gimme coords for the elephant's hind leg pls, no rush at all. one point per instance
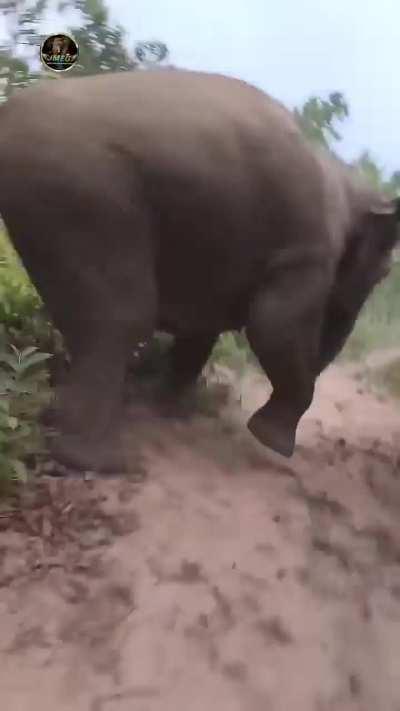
(84, 239)
(284, 333)
(100, 335)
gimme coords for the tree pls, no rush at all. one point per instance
(23, 20)
(318, 116)
(394, 183)
(367, 166)
(317, 120)
(102, 46)
(374, 174)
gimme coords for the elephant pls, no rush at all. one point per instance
(189, 203)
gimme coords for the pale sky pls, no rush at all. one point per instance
(291, 49)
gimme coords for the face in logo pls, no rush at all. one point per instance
(59, 52)
(59, 44)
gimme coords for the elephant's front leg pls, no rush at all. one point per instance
(284, 332)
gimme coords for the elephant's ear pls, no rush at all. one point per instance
(385, 223)
(387, 207)
(397, 203)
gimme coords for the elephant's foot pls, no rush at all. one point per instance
(273, 433)
(103, 456)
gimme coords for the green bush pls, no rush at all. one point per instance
(378, 325)
(232, 350)
(21, 310)
(25, 333)
(24, 392)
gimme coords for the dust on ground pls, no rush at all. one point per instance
(228, 579)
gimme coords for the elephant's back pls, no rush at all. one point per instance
(212, 156)
(176, 128)
(138, 108)
(139, 92)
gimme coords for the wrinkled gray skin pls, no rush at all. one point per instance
(188, 203)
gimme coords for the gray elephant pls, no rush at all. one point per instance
(189, 203)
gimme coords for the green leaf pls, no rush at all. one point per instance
(28, 351)
(16, 388)
(34, 359)
(6, 383)
(13, 423)
(10, 360)
(20, 470)
(4, 405)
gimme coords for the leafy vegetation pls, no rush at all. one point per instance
(22, 315)
(318, 118)
(102, 45)
(24, 334)
(378, 325)
(23, 392)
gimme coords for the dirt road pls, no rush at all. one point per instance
(229, 579)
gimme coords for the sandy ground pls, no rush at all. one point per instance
(228, 579)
